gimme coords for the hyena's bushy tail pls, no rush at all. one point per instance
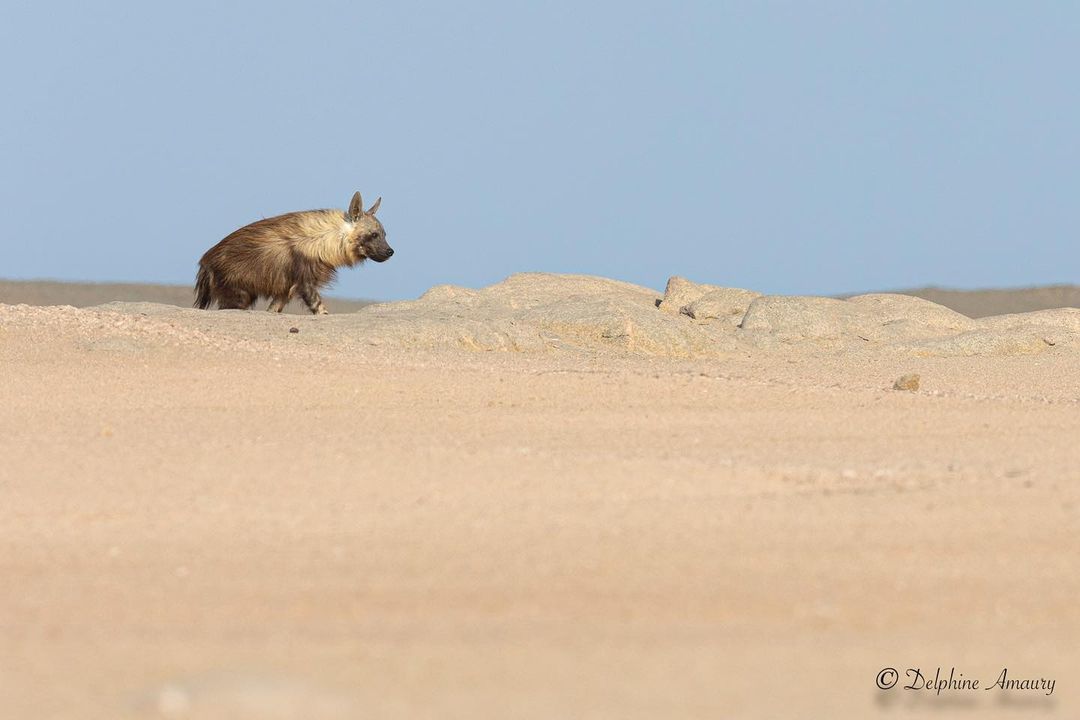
(203, 282)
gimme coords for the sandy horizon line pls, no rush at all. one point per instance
(973, 302)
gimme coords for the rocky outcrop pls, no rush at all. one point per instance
(545, 313)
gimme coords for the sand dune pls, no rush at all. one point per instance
(558, 496)
(982, 303)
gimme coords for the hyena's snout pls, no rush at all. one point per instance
(381, 253)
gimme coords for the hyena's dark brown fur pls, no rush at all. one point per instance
(289, 255)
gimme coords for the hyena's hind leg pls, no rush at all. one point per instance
(234, 299)
(313, 300)
(280, 301)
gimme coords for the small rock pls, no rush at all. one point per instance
(909, 382)
(679, 293)
(721, 303)
(294, 330)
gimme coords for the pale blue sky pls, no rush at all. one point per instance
(786, 147)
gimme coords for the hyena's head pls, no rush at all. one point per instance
(368, 238)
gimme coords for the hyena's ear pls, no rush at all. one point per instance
(374, 207)
(356, 207)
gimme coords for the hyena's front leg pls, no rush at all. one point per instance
(314, 302)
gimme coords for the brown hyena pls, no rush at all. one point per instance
(289, 255)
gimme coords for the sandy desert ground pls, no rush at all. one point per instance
(550, 498)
